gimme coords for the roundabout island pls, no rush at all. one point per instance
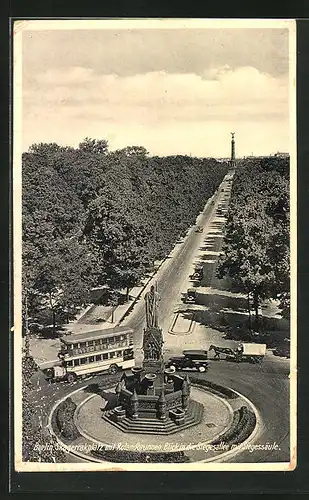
(152, 414)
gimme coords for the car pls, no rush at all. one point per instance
(282, 351)
(35, 327)
(190, 296)
(193, 360)
(196, 276)
(198, 273)
(198, 229)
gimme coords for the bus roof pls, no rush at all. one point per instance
(74, 338)
(194, 352)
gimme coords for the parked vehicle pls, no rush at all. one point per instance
(254, 353)
(190, 296)
(250, 352)
(198, 273)
(191, 359)
(283, 350)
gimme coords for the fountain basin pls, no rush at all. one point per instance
(177, 415)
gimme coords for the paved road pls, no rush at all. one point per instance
(172, 278)
(266, 385)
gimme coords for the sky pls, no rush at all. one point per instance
(173, 91)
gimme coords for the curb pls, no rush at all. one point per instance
(88, 308)
(250, 438)
(238, 449)
(65, 447)
(182, 334)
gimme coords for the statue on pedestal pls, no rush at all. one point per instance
(153, 338)
(152, 299)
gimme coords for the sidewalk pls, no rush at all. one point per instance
(95, 317)
(98, 317)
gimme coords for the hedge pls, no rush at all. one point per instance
(243, 424)
(219, 389)
(123, 456)
(65, 419)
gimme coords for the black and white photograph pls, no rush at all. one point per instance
(154, 211)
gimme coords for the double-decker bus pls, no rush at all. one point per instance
(83, 354)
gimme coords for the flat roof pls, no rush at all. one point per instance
(194, 351)
(74, 338)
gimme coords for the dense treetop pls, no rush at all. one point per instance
(256, 245)
(94, 217)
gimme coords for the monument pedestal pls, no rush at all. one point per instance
(154, 399)
(153, 360)
(153, 366)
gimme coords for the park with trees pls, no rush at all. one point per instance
(94, 217)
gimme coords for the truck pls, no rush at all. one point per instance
(254, 353)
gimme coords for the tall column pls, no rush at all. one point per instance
(232, 161)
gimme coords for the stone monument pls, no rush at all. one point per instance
(152, 399)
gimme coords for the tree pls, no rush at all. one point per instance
(285, 304)
(245, 257)
(122, 211)
(63, 279)
(118, 240)
(35, 437)
(256, 244)
(133, 151)
(96, 146)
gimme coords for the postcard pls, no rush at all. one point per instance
(154, 242)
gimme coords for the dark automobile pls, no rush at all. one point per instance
(194, 360)
(198, 273)
(190, 296)
(282, 351)
(35, 327)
